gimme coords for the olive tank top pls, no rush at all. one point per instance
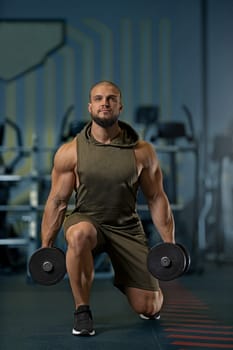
(108, 177)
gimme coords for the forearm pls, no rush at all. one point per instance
(52, 220)
(162, 218)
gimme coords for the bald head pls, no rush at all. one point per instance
(104, 82)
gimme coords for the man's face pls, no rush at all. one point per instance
(105, 105)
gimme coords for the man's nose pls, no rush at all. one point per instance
(105, 101)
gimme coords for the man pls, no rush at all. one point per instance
(105, 164)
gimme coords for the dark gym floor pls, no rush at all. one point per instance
(197, 314)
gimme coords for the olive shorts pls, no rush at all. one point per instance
(127, 248)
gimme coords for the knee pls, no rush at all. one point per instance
(145, 307)
(148, 303)
(81, 236)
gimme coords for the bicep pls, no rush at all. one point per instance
(62, 184)
(151, 183)
(63, 178)
(158, 204)
(151, 177)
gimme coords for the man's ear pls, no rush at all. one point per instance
(89, 107)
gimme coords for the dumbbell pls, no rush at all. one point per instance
(168, 261)
(165, 261)
(47, 266)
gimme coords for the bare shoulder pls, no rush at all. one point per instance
(145, 154)
(66, 156)
(144, 147)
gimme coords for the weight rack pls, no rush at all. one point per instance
(33, 208)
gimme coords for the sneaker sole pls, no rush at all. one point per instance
(143, 317)
(83, 332)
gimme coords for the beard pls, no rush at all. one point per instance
(104, 122)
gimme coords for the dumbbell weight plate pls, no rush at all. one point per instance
(47, 266)
(187, 255)
(166, 261)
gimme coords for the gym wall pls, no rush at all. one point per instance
(165, 53)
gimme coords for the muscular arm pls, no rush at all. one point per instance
(63, 181)
(151, 182)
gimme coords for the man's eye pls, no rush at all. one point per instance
(113, 98)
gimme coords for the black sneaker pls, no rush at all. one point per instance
(83, 322)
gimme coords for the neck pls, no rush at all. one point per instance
(105, 135)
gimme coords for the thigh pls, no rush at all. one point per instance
(128, 252)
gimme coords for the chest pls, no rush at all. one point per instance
(106, 165)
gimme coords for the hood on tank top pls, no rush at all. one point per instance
(127, 138)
